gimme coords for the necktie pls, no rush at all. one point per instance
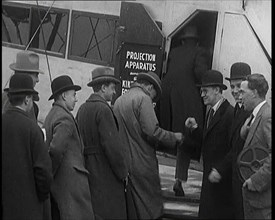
(250, 120)
(210, 116)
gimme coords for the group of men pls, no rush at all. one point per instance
(102, 164)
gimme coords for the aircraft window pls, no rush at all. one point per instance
(20, 23)
(93, 38)
(15, 24)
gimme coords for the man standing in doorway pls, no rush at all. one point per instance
(181, 98)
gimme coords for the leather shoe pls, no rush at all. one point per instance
(177, 188)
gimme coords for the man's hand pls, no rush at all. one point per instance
(248, 183)
(179, 137)
(191, 123)
(214, 176)
(245, 129)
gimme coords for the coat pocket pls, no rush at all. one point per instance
(81, 169)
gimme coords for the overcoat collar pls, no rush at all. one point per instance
(66, 110)
(255, 124)
(144, 90)
(216, 118)
(57, 105)
(15, 109)
(97, 98)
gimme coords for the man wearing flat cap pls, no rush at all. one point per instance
(140, 132)
(216, 196)
(181, 97)
(238, 72)
(26, 164)
(70, 194)
(26, 62)
(105, 156)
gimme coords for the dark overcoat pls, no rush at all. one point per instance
(230, 161)
(104, 157)
(140, 132)
(26, 167)
(70, 187)
(181, 98)
(216, 198)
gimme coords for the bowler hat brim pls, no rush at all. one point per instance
(152, 80)
(103, 79)
(13, 67)
(229, 79)
(63, 89)
(20, 91)
(222, 86)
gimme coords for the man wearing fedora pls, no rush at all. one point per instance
(140, 132)
(26, 62)
(105, 156)
(70, 194)
(26, 164)
(238, 72)
(216, 197)
(181, 98)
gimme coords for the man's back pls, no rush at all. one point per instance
(26, 167)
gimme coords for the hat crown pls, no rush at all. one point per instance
(190, 32)
(239, 70)
(152, 78)
(21, 83)
(102, 72)
(26, 61)
(212, 78)
(61, 82)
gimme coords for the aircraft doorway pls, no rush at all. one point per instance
(206, 23)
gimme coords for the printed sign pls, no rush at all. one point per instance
(138, 58)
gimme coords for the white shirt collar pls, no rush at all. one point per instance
(217, 105)
(257, 109)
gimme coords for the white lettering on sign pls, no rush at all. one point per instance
(141, 56)
(140, 66)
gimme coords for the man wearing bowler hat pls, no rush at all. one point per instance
(238, 72)
(140, 132)
(215, 200)
(26, 62)
(26, 164)
(105, 156)
(181, 98)
(70, 194)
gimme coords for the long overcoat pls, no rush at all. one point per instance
(140, 131)
(105, 157)
(216, 198)
(229, 164)
(181, 98)
(257, 204)
(26, 167)
(70, 186)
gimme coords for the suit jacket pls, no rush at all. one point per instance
(70, 187)
(260, 135)
(216, 198)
